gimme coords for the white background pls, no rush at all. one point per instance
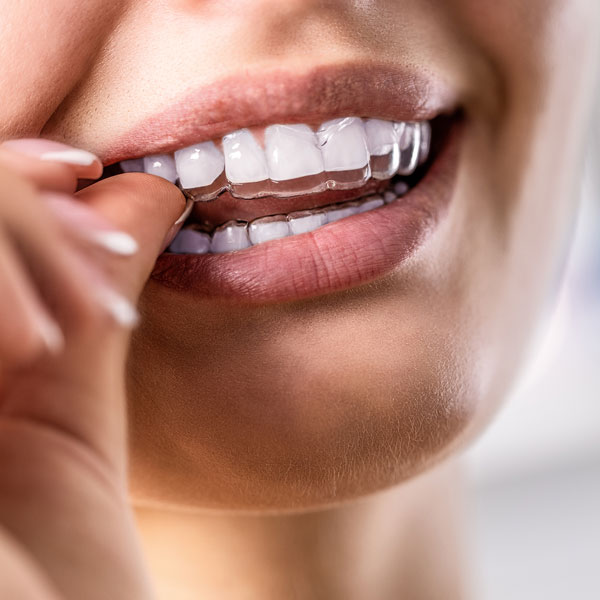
(535, 474)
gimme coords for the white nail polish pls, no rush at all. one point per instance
(118, 307)
(117, 242)
(72, 157)
(51, 334)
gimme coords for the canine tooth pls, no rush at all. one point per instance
(389, 196)
(233, 235)
(425, 141)
(189, 241)
(162, 165)
(345, 210)
(370, 203)
(305, 221)
(343, 144)
(199, 165)
(245, 160)
(409, 156)
(292, 151)
(268, 228)
(401, 188)
(382, 141)
(135, 165)
(381, 136)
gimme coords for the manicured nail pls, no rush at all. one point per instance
(51, 334)
(189, 205)
(88, 165)
(118, 307)
(117, 242)
(73, 157)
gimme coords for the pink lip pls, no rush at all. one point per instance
(258, 98)
(341, 255)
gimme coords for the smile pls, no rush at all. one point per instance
(342, 154)
(293, 209)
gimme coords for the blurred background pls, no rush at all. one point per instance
(535, 474)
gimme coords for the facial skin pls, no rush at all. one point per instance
(304, 404)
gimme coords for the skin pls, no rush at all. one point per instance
(289, 408)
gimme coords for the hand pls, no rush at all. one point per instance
(72, 266)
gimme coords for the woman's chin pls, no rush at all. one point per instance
(324, 436)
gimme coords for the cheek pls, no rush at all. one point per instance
(45, 49)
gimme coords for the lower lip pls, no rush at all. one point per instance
(341, 255)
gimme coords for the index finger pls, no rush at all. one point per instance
(49, 165)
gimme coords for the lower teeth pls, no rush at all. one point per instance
(238, 235)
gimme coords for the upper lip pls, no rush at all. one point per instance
(259, 98)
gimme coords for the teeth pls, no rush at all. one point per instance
(382, 141)
(133, 166)
(370, 203)
(343, 154)
(401, 188)
(199, 165)
(292, 152)
(410, 144)
(389, 196)
(425, 141)
(381, 136)
(238, 235)
(345, 210)
(245, 160)
(231, 236)
(266, 229)
(305, 221)
(162, 165)
(189, 241)
(343, 144)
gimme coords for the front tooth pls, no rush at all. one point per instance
(410, 145)
(292, 151)
(162, 165)
(267, 229)
(425, 141)
(343, 144)
(233, 235)
(199, 165)
(135, 165)
(345, 210)
(305, 221)
(245, 160)
(189, 241)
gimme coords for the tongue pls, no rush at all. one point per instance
(226, 207)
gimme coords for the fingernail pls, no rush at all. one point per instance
(189, 204)
(51, 334)
(48, 150)
(73, 157)
(117, 242)
(118, 307)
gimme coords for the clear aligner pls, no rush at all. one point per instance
(293, 159)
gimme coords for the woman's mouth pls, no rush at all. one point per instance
(294, 210)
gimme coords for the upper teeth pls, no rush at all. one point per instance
(341, 154)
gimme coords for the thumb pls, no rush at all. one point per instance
(148, 208)
(82, 391)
